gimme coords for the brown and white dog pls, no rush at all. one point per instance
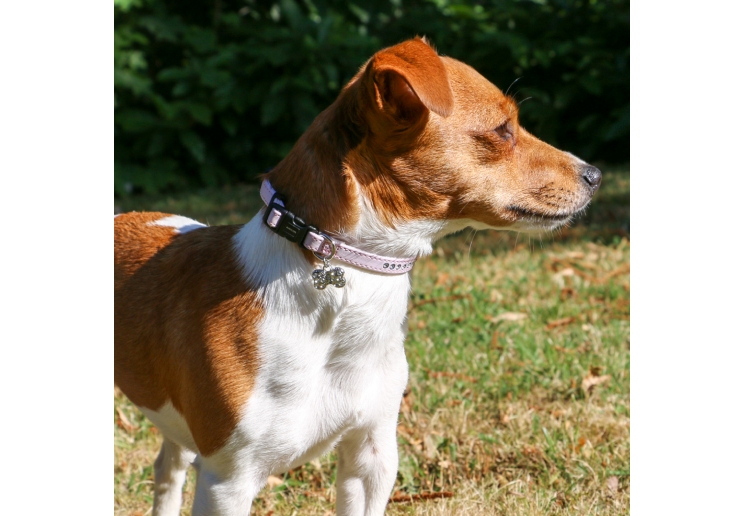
(225, 343)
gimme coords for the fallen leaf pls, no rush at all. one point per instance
(590, 381)
(408, 498)
(442, 279)
(509, 316)
(123, 421)
(560, 276)
(623, 269)
(559, 322)
(447, 374)
(580, 444)
(566, 293)
(406, 404)
(560, 500)
(495, 341)
(531, 451)
(612, 484)
(273, 481)
(430, 449)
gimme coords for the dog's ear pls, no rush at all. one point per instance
(408, 79)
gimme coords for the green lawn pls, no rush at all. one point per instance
(519, 391)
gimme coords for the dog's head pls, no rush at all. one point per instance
(422, 138)
(444, 143)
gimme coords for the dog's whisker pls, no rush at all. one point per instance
(523, 100)
(463, 207)
(472, 237)
(512, 84)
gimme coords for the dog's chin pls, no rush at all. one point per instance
(539, 225)
(529, 225)
(534, 221)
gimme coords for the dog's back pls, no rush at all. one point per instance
(169, 348)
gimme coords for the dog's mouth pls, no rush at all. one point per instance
(533, 215)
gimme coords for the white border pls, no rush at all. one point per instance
(687, 266)
(56, 320)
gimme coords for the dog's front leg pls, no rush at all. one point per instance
(367, 467)
(170, 474)
(224, 488)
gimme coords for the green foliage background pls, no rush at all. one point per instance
(209, 92)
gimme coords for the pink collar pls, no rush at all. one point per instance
(287, 224)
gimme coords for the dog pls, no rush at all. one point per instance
(257, 348)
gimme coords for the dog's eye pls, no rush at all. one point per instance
(506, 131)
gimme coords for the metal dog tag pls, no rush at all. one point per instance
(328, 276)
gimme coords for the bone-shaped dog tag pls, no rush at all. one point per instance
(327, 276)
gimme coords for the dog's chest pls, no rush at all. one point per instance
(339, 367)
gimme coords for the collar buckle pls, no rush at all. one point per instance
(287, 225)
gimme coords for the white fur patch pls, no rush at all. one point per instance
(179, 223)
(172, 424)
(332, 372)
(407, 239)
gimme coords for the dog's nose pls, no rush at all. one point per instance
(592, 176)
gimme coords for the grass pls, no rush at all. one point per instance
(519, 394)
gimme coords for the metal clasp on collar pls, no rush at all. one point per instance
(289, 225)
(294, 229)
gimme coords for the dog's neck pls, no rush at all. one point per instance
(312, 177)
(320, 183)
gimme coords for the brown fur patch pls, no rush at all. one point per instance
(185, 324)
(409, 75)
(312, 176)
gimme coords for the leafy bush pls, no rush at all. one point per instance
(211, 92)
